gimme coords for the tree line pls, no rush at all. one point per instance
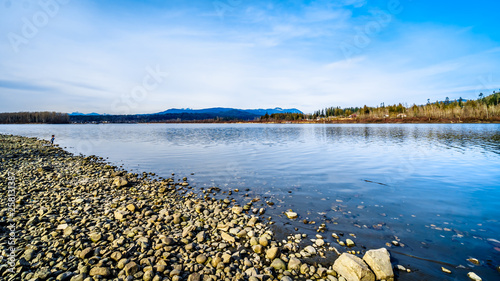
(483, 108)
(34, 117)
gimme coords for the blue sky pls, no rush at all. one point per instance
(122, 57)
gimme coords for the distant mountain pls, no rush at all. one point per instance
(262, 112)
(177, 115)
(216, 110)
(76, 113)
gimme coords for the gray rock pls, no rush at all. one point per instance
(380, 262)
(201, 259)
(278, 264)
(131, 268)
(294, 264)
(102, 271)
(42, 273)
(64, 276)
(95, 236)
(194, 277)
(120, 181)
(86, 253)
(473, 276)
(349, 243)
(353, 268)
(78, 277)
(272, 253)
(29, 254)
(310, 249)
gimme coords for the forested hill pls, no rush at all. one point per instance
(172, 115)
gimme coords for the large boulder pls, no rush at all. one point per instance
(353, 268)
(380, 262)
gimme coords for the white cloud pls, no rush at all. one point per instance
(260, 56)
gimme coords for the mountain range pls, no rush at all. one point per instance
(184, 114)
(225, 110)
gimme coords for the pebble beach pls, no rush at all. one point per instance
(69, 217)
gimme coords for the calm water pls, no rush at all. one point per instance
(436, 188)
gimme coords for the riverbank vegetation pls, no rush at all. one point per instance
(34, 117)
(484, 109)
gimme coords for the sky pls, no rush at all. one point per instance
(129, 57)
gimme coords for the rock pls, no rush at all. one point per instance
(291, 215)
(445, 270)
(400, 267)
(380, 262)
(29, 254)
(227, 237)
(131, 268)
(257, 248)
(188, 231)
(252, 221)
(474, 261)
(65, 276)
(121, 263)
(120, 181)
(237, 210)
(67, 231)
(278, 264)
(42, 273)
(120, 215)
(334, 235)
(102, 271)
(148, 275)
(286, 278)
(226, 258)
(216, 261)
(263, 241)
(79, 277)
(272, 253)
(194, 277)
(310, 249)
(62, 226)
(200, 237)
(353, 268)
(294, 264)
(86, 253)
(349, 243)
(131, 207)
(116, 256)
(304, 268)
(474, 276)
(95, 236)
(201, 259)
(319, 242)
(175, 272)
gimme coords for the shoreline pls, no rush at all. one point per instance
(355, 120)
(83, 217)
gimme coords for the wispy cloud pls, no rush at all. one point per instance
(260, 54)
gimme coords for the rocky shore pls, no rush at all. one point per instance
(67, 217)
